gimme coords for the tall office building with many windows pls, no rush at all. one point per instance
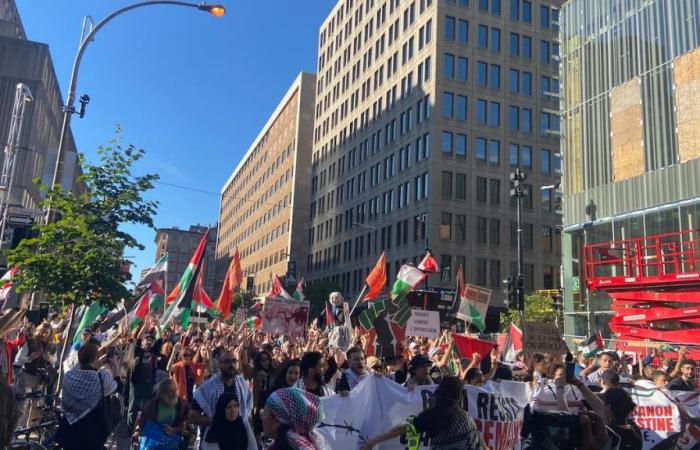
(423, 108)
(630, 121)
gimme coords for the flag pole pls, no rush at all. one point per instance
(359, 299)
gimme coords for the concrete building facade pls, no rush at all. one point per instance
(265, 202)
(630, 122)
(180, 245)
(28, 62)
(423, 109)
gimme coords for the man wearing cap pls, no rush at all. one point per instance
(440, 368)
(419, 370)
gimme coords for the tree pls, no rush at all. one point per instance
(240, 297)
(77, 257)
(538, 308)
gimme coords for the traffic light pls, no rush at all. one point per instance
(511, 291)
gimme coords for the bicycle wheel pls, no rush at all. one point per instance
(25, 445)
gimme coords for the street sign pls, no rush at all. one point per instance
(20, 220)
(576, 284)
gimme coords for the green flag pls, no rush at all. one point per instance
(92, 312)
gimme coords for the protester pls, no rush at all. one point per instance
(418, 368)
(8, 413)
(34, 360)
(287, 374)
(685, 382)
(185, 373)
(167, 410)
(141, 358)
(447, 424)
(84, 386)
(7, 348)
(313, 368)
(290, 418)
(355, 373)
(605, 361)
(227, 431)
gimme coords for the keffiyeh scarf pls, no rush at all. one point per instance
(209, 392)
(353, 378)
(81, 391)
(302, 411)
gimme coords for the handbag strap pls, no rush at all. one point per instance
(102, 387)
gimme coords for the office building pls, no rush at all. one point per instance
(29, 62)
(423, 109)
(180, 245)
(265, 202)
(630, 142)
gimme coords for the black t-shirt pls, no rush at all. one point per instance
(145, 366)
(679, 384)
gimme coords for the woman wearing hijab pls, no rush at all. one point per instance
(227, 431)
(290, 418)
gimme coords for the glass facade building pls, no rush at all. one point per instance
(631, 133)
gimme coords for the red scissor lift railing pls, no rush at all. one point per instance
(654, 282)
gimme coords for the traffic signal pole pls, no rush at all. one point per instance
(517, 178)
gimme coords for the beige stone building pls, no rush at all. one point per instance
(423, 109)
(265, 202)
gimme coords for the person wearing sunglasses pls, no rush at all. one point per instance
(186, 373)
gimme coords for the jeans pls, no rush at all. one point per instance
(139, 394)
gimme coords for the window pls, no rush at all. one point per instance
(495, 114)
(526, 87)
(495, 274)
(545, 164)
(515, 9)
(526, 51)
(495, 76)
(447, 105)
(513, 81)
(449, 28)
(495, 191)
(545, 52)
(526, 157)
(494, 152)
(482, 73)
(481, 145)
(495, 40)
(549, 123)
(481, 189)
(483, 36)
(481, 264)
(463, 32)
(513, 118)
(481, 111)
(446, 184)
(556, 163)
(546, 200)
(481, 230)
(460, 186)
(484, 5)
(527, 236)
(461, 228)
(496, 7)
(462, 69)
(461, 108)
(446, 226)
(526, 120)
(449, 66)
(513, 155)
(494, 232)
(447, 143)
(513, 234)
(527, 11)
(461, 145)
(527, 200)
(514, 44)
(544, 16)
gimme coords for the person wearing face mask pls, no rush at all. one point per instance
(166, 409)
(356, 372)
(82, 425)
(227, 431)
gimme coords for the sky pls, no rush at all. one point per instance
(191, 89)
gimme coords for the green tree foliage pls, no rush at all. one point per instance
(78, 256)
(538, 308)
(239, 297)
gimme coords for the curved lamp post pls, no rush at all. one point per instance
(69, 108)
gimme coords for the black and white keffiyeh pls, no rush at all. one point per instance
(353, 378)
(81, 391)
(209, 392)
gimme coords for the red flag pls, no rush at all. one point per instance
(429, 264)
(467, 346)
(277, 290)
(189, 273)
(376, 280)
(200, 296)
(234, 278)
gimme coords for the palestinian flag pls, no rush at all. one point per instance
(429, 265)
(6, 286)
(473, 302)
(90, 315)
(299, 292)
(181, 297)
(592, 346)
(150, 301)
(278, 291)
(253, 323)
(376, 280)
(467, 346)
(233, 280)
(513, 343)
(407, 279)
(155, 273)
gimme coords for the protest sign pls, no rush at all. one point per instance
(377, 404)
(542, 337)
(423, 324)
(656, 414)
(285, 316)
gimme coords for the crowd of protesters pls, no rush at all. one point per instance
(229, 387)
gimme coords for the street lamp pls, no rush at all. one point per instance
(69, 108)
(518, 192)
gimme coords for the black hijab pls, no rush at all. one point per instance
(229, 435)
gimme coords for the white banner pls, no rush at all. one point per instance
(378, 404)
(423, 324)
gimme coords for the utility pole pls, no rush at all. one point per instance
(518, 192)
(22, 96)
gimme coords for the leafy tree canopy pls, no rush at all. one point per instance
(538, 308)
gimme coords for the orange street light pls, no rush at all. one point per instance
(214, 10)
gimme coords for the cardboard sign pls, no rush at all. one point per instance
(423, 323)
(282, 316)
(542, 337)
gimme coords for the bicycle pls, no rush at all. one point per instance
(22, 438)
